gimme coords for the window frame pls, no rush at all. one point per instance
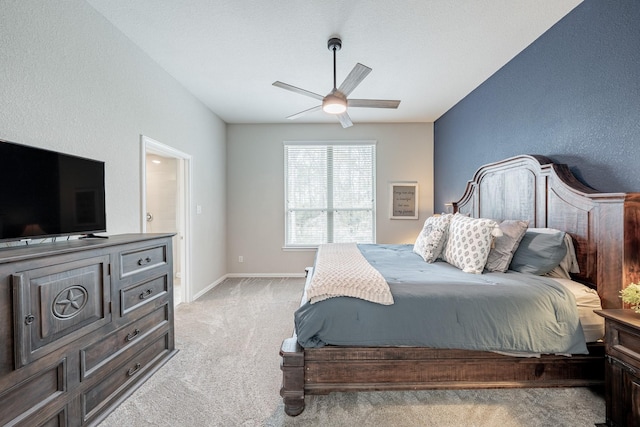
(326, 143)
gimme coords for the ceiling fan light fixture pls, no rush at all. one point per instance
(334, 104)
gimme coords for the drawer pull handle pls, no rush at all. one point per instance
(622, 365)
(29, 319)
(142, 261)
(133, 370)
(131, 336)
(146, 294)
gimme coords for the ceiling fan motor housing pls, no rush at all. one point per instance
(334, 43)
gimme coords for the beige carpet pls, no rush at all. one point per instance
(227, 374)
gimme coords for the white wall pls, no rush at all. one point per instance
(69, 81)
(255, 187)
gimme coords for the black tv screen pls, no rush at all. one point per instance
(47, 194)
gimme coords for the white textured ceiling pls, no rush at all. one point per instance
(427, 53)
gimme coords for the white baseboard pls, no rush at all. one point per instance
(240, 275)
(236, 275)
(208, 288)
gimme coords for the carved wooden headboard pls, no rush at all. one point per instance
(605, 227)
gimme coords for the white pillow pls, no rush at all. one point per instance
(469, 242)
(432, 238)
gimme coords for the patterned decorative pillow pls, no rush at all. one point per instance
(469, 242)
(432, 238)
(505, 246)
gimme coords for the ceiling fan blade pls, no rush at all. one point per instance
(345, 120)
(298, 90)
(302, 113)
(373, 103)
(354, 78)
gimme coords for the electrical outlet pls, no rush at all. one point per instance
(240, 258)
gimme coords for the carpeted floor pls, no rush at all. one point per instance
(227, 373)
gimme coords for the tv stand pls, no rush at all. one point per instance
(83, 323)
(93, 236)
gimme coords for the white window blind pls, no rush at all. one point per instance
(329, 193)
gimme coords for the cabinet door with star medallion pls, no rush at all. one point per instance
(57, 304)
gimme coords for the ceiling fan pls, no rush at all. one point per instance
(336, 101)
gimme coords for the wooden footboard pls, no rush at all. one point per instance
(329, 369)
(292, 366)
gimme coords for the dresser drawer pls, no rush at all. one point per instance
(28, 398)
(624, 343)
(141, 260)
(105, 392)
(95, 356)
(60, 418)
(142, 294)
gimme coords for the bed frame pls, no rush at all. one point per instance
(605, 228)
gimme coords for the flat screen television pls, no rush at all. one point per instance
(49, 194)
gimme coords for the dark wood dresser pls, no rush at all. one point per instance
(83, 323)
(622, 371)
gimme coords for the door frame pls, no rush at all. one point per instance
(151, 146)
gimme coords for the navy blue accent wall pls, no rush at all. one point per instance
(573, 95)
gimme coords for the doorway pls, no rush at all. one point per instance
(165, 205)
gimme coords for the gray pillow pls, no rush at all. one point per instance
(539, 252)
(505, 246)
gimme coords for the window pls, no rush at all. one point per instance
(329, 192)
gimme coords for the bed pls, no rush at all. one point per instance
(605, 232)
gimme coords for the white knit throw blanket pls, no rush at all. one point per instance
(341, 270)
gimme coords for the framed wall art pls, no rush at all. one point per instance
(403, 200)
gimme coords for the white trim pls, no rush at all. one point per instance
(241, 275)
(332, 142)
(300, 248)
(208, 288)
(149, 145)
(267, 275)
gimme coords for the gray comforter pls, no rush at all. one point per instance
(437, 305)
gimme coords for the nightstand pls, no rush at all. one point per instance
(622, 370)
